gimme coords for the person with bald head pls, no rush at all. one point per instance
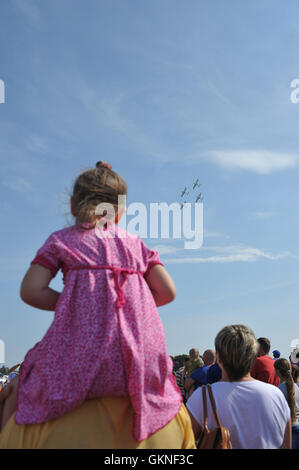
(209, 357)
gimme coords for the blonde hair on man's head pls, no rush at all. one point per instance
(194, 353)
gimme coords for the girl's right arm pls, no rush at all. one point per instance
(35, 290)
(161, 285)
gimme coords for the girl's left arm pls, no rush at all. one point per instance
(35, 290)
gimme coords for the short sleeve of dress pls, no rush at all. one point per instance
(151, 258)
(48, 255)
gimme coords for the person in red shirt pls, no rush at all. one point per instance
(263, 368)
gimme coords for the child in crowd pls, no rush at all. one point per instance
(106, 317)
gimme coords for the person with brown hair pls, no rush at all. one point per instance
(283, 369)
(263, 368)
(255, 413)
(106, 317)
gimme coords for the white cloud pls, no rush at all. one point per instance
(18, 184)
(120, 111)
(208, 234)
(230, 254)
(165, 249)
(36, 143)
(261, 215)
(257, 161)
(29, 9)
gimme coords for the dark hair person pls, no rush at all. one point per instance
(255, 413)
(283, 369)
(295, 374)
(263, 368)
(264, 346)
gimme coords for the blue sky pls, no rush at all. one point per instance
(166, 92)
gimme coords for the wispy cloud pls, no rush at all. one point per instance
(230, 254)
(129, 112)
(257, 161)
(259, 290)
(36, 143)
(30, 11)
(166, 249)
(211, 234)
(18, 183)
(261, 215)
(116, 111)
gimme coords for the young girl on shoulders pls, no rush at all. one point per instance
(106, 319)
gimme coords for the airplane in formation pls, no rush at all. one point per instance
(199, 197)
(195, 184)
(184, 192)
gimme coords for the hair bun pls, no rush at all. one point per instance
(101, 164)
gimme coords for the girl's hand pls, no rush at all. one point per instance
(35, 290)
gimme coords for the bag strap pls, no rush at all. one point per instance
(214, 406)
(205, 409)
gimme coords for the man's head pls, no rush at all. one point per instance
(209, 357)
(193, 353)
(276, 354)
(264, 346)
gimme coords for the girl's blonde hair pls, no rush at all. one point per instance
(283, 366)
(93, 187)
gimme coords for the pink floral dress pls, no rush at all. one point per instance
(106, 338)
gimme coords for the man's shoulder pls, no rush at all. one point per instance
(199, 372)
(214, 369)
(267, 360)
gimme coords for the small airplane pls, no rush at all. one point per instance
(182, 205)
(195, 184)
(199, 197)
(184, 192)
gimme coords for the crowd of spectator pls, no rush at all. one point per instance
(249, 386)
